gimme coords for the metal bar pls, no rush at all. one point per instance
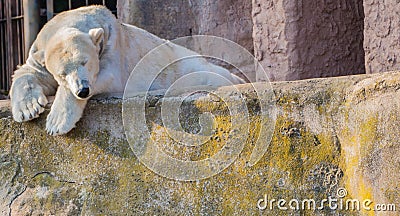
(19, 41)
(5, 51)
(23, 55)
(50, 9)
(69, 5)
(87, 2)
(17, 17)
(10, 53)
(22, 36)
(1, 9)
(31, 22)
(17, 8)
(18, 36)
(3, 70)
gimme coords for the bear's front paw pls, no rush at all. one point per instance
(65, 112)
(28, 106)
(59, 122)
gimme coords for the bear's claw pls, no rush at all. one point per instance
(58, 123)
(25, 109)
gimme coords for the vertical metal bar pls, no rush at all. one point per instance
(12, 41)
(21, 35)
(10, 53)
(22, 44)
(50, 9)
(16, 7)
(2, 44)
(5, 41)
(3, 47)
(4, 50)
(87, 2)
(69, 5)
(104, 2)
(31, 22)
(6, 54)
(21, 41)
(3, 71)
(23, 56)
(18, 35)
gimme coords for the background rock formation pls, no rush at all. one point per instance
(381, 41)
(306, 39)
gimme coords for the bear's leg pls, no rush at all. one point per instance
(28, 93)
(65, 112)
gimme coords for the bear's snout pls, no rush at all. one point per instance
(83, 89)
(83, 92)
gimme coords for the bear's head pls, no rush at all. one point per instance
(72, 56)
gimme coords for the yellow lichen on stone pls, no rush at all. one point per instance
(357, 144)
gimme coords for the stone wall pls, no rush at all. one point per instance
(305, 39)
(381, 41)
(329, 134)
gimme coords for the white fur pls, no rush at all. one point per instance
(89, 47)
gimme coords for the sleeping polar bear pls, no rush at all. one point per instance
(84, 52)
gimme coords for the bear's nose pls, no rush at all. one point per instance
(83, 93)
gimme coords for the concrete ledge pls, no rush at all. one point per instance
(330, 133)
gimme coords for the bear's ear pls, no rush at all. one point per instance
(38, 56)
(97, 35)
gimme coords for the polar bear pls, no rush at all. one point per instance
(84, 52)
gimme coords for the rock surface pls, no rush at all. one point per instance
(381, 35)
(329, 134)
(306, 39)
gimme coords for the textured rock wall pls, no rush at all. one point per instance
(306, 39)
(381, 41)
(330, 133)
(270, 42)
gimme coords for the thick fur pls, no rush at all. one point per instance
(89, 48)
